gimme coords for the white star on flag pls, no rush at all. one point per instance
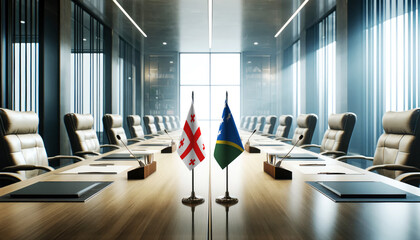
(191, 148)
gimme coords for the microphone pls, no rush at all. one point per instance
(285, 156)
(134, 156)
(166, 131)
(251, 135)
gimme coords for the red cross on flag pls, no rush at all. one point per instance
(191, 147)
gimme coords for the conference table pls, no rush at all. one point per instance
(152, 209)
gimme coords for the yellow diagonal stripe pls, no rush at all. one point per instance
(230, 143)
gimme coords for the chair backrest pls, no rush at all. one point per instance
(81, 134)
(159, 123)
(167, 123)
(177, 122)
(306, 124)
(337, 137)
(242, 122)
(260, 123)
(173, 122)
(149, 124)
(253, 123)
(113, 126)
(20, 142)
(247, 122)
(134, 126)
(400, 143)
(285, 123)
(270, 123)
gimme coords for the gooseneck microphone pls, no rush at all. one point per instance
(251, 135)
(166, 131)
(142, 164)
(287, 155)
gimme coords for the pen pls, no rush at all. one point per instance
(331, 173)
(312, 164)
(101, 164)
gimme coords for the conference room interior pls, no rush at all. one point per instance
(262, 57)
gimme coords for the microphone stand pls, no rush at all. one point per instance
(142, 164)
(277, 164)
(248, 146)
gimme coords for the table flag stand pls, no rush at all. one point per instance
(224, 200)
(193, 199)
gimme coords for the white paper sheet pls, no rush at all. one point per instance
(106, 169)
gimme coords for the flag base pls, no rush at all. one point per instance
(193, 200)
(227, 200)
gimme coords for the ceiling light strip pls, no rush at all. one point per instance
(210, 22)
(291, 18)
(129, 18)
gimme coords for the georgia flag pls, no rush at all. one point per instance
(191, 147)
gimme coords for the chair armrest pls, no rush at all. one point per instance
(310, 145)
(17, 168)
(394, 167)
(59, 157)
(336, 153)
(10, 177)
(110, 146)
(407, 177)
(343, 158)
(83, 153)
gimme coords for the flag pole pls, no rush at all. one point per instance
(192, 200)
(227, 200)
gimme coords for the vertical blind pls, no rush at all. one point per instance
(87, 66)
(392, 60)
(23, 55)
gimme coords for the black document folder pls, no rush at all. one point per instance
(358, 189)
(54, 190)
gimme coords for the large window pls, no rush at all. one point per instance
(392, 59)
(87, 66)
(23, 55)
(210, 76)
(325, 70)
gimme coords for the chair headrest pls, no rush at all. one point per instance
(15, 122)
(167, 119)
(305, 120)
(159, 119)
(339, 121)
(114, 120)
(82, 121)
(148, 119)
(285, 120)
(405, 122)
(270, 119)
(135, 119)
(260, 119)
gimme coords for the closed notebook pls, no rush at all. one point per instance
(54, 190)
(358, 189)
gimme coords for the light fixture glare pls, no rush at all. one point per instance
(129, 18)
(291, 18)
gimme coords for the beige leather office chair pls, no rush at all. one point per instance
(398, 148)
(173, 122)
(113, 126)
(260, 124)
(167, 123)
(247, 122)
(337, 138)
(178, 124)
(306, 124)
(160, 126)
(149, 125)
(270, 123)
(135, 128)
(285, 123)
(22, 148)
(252, 124)
(242, 122)
(83, 139)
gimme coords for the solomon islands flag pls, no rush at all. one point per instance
(228, 144)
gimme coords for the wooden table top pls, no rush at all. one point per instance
(152, 208)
